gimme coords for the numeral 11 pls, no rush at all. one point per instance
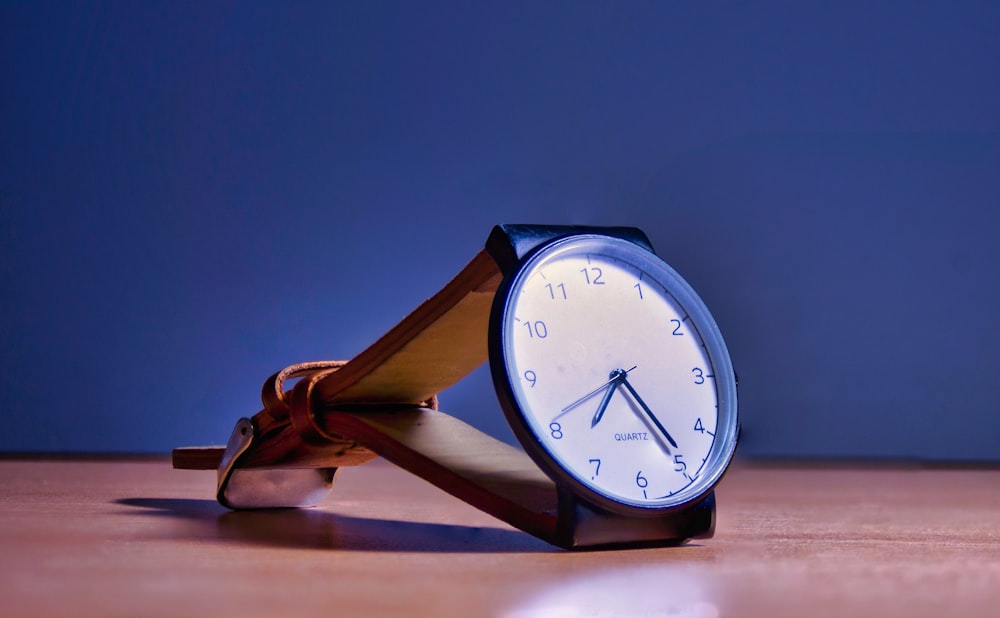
(552, 290)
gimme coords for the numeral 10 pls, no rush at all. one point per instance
(537, 329)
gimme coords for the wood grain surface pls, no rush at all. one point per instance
(136, 538)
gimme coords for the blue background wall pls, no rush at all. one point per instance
(192, 196)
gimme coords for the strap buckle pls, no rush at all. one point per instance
(267, 487)
(282, 457)
(299, 480)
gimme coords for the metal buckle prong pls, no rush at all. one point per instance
(267, 487)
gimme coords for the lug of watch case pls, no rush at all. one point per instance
(268, 487)
(508, 244)
(586, 526)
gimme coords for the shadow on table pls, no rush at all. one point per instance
(318, 529)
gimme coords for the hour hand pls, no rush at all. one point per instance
(617, 377)
(614, 380)
(604, 404)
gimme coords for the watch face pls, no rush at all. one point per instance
(614, 375)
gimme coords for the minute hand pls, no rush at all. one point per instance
(649, 412)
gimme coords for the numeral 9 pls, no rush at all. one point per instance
(530, 376)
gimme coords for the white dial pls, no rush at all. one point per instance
(619, 372)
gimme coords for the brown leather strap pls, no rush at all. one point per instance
(431, 349)
(470, 465)
(273, 392)
(369, 403)
(302, 414)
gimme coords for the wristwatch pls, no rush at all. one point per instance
(610, 370)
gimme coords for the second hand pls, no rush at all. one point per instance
(576, 403)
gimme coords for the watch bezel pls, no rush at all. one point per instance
(725, 443)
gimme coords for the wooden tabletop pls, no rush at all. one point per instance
(137, 538)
